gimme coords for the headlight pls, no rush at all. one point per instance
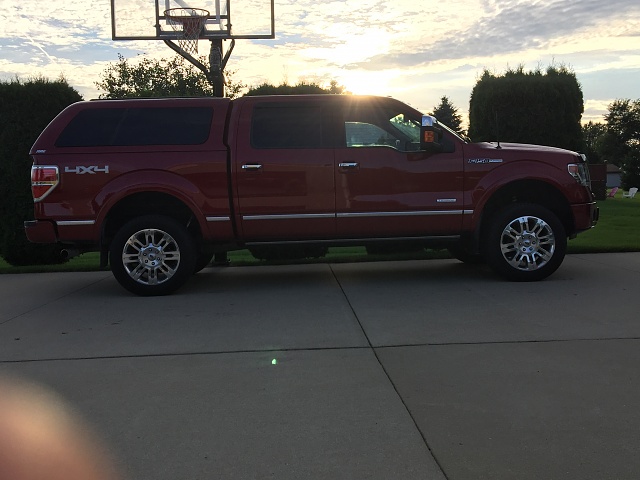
(580, 172)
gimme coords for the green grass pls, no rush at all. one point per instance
(618, 230)
(87, 262)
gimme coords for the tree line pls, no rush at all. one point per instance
(617, 140)
(517, 106)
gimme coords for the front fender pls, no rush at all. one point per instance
(514, 173)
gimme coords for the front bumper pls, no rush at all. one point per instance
(585, 216)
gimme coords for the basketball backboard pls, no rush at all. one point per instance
(146, 19)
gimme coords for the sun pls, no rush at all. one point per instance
(351, 48)
(347, 51)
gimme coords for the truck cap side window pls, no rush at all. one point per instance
(91, 127)
(137, 126)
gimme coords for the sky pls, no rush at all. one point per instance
(414, 50)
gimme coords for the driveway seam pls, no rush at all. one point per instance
(395, 388)
(182, 354)
(311, 349)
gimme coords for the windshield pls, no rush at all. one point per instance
(462, 138)
(411, 128)
(408, 126)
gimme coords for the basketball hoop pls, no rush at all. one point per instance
(189, 23)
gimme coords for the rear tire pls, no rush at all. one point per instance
(525, 242)
(152, 255)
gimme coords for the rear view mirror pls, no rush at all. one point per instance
(430, 134)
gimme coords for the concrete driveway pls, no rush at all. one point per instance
(392, 370)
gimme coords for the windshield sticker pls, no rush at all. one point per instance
(485, 160)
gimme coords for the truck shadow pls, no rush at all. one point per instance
(424, 272)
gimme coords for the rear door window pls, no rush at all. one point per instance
(296, 126)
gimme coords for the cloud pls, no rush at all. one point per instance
(414, 50)
(512, 26)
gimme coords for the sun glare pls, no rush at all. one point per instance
(352, 48)
(360, 82)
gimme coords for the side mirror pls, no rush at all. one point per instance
(430, 134)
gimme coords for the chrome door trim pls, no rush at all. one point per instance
(291, 216)
(75, 223)
(302, 216)
(423, 213)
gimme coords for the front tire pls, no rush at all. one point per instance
(152, 255)
(525, 242)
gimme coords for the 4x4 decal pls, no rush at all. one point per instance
(81, 170)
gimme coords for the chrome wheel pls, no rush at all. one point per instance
(527, 243)
(151, 257)
(524, 242)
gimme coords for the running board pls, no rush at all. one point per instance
(346, 242)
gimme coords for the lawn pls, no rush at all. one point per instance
(617, 231)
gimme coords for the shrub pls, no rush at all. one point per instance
(25, 110)
(528, 107)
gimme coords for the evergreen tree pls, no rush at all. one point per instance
(446, 113)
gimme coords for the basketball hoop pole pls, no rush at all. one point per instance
(217, 63)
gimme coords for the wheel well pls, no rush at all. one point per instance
(529, 191)
(147, 203)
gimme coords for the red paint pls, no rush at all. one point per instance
(237, 192)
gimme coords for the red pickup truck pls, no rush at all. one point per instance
(160, 185)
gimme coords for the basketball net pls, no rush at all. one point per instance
(189, 23)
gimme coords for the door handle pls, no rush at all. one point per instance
(349, 165)
(251, 167)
